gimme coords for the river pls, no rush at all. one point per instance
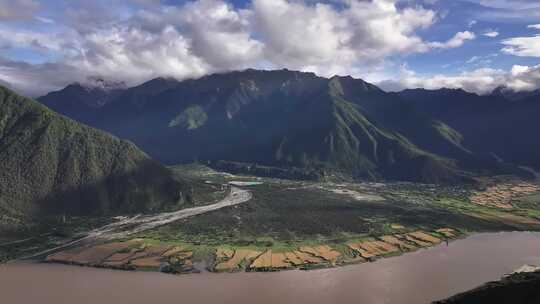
(418, 277)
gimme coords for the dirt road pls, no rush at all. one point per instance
(141, 223)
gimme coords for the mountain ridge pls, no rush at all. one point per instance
(288, 118)
(490, 124)
(51, 165)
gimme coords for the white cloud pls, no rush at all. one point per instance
(473, 59)
(491, 34)
(114, 40)
(29, 78)
(508, 4)
(481, 81)
(131, 54)
(534, 26)
(524, 78)
(522, 46)
(45, 20)
(455, 41)
(481, 61)
(199, 38)
(35, 40)
(325, 40)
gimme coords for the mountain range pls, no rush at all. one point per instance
(287, 119)
(52, 165)
(504, 126)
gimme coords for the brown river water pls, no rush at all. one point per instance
(418, 277)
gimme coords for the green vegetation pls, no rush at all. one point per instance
(193, 117)
(529, 202)
(284, 214)
(52, 167)
(337, 126)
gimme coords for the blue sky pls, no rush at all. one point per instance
(459, 15)
(472, 44)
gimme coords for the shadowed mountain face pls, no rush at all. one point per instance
(512, 95)
(488, 124)
(50, 164)
(288, 119)
(82, 102)
(523, 288)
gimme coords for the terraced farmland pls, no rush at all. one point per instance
(129, 255)
(307, 257)
(502, 192)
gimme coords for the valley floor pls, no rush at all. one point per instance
(267, 224)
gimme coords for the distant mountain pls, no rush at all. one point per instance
(82, 101)
(51, 165)
(490, 124)
(289, 119)
(513, 95)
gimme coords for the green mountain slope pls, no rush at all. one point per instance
(288, 119)
(341, 138)
(489, 124)
(51, 165)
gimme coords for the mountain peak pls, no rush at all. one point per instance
(511, 94)
(437, 92)
(96, 82)
(79, 98)
(347, 77)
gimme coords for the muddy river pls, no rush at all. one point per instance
(418, 277)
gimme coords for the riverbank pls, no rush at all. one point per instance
(145, 254)
(451, 269)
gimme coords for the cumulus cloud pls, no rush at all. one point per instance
(326, 40)
(522, 46)
(190, 41)
(135, 43)
(524, 78)
(28, 78)
(454, 42)
(481, 81)
(534, 26)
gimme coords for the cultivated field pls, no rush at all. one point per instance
(128, 255)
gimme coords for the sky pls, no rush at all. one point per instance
(477, 45)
